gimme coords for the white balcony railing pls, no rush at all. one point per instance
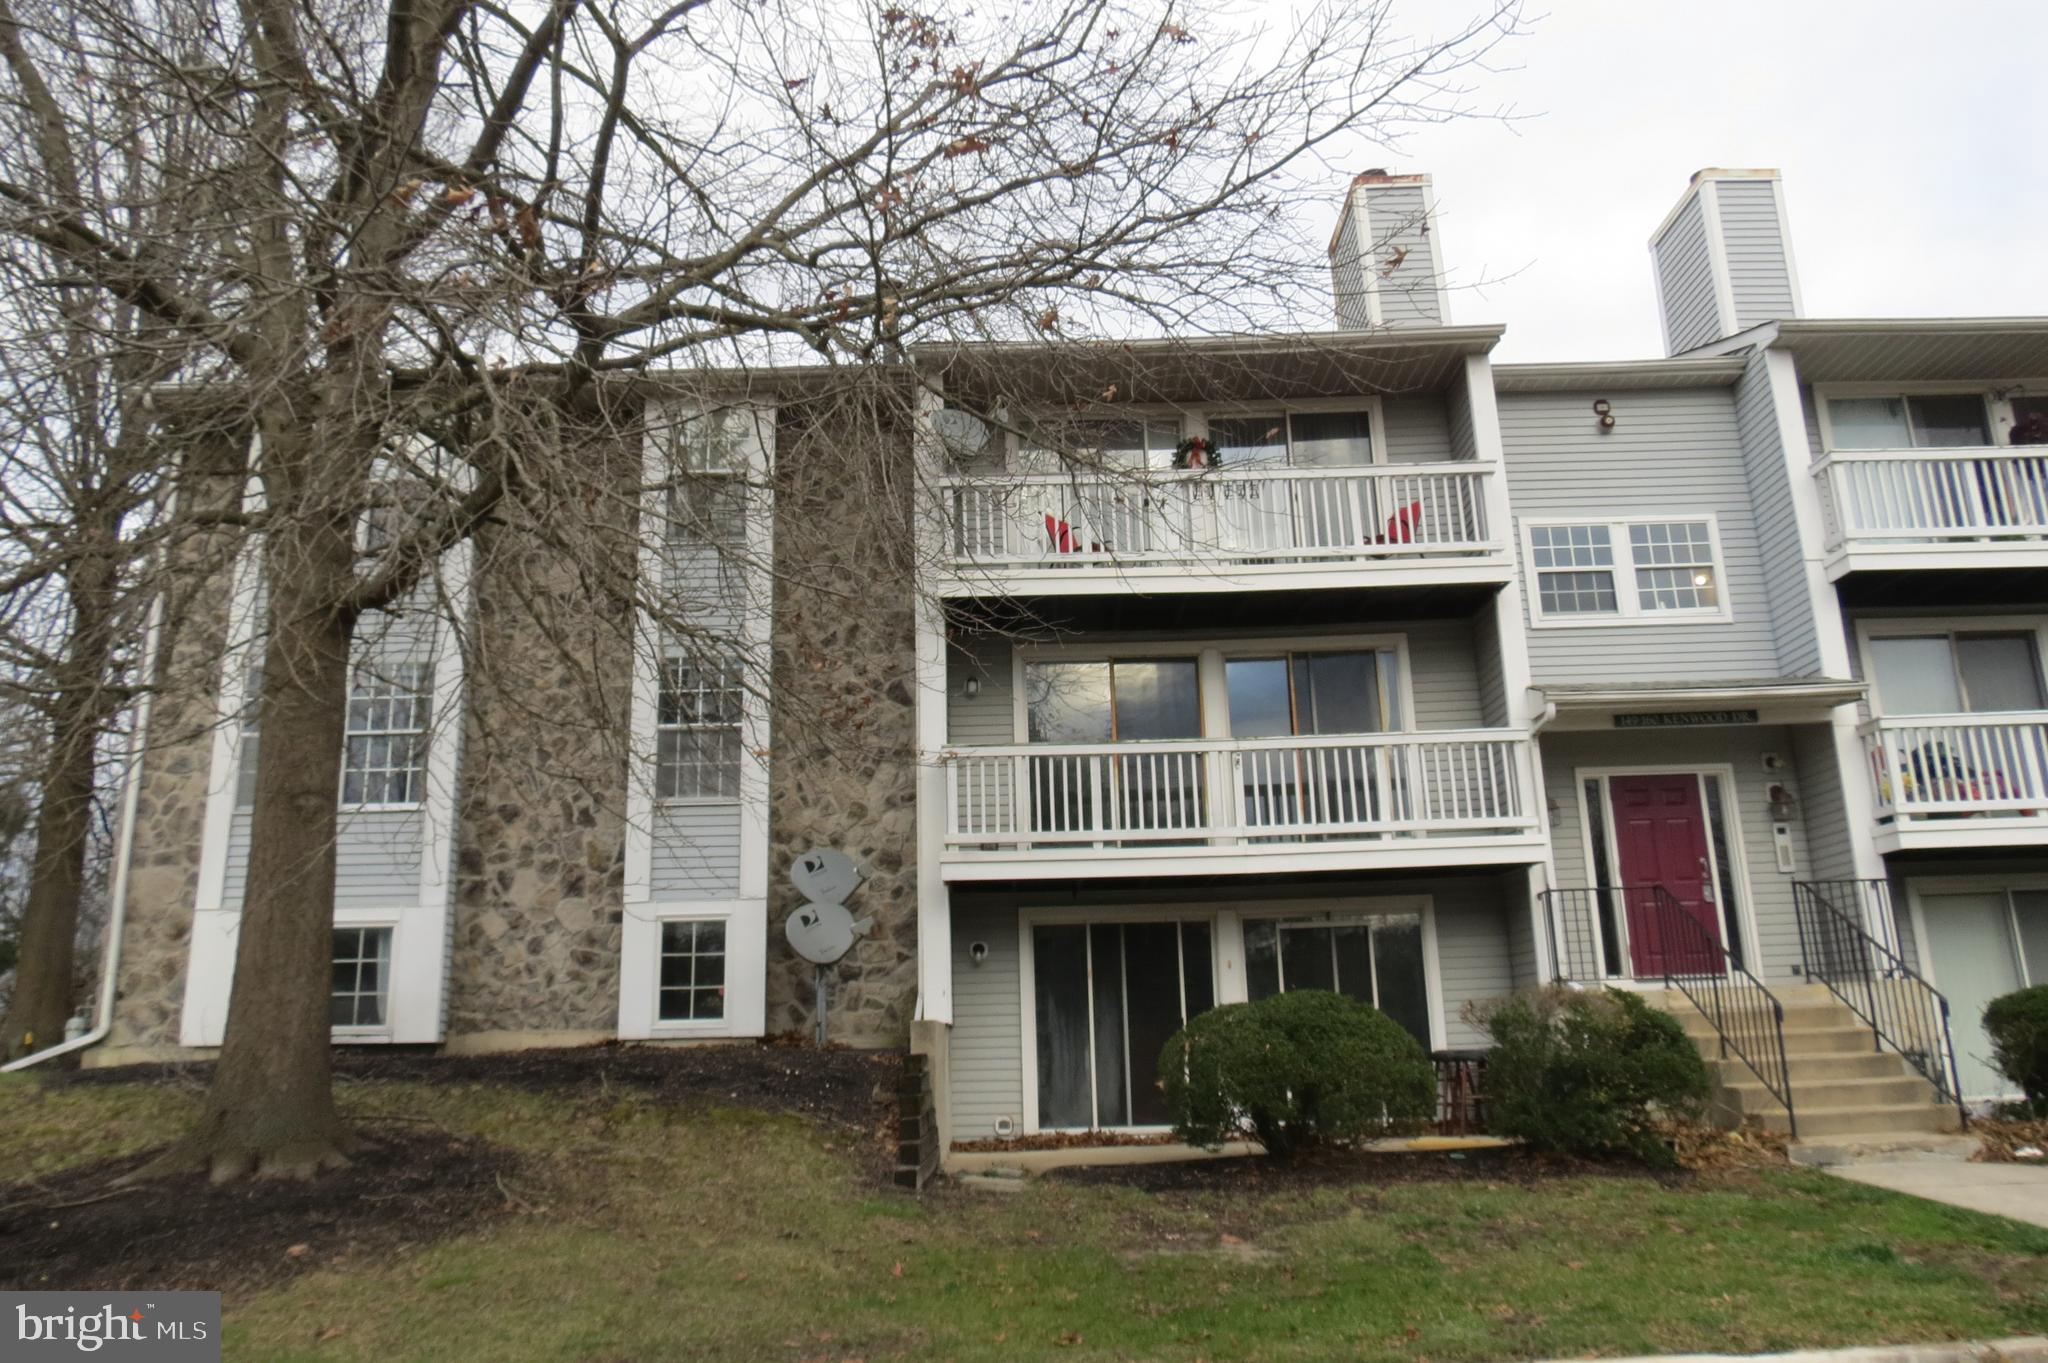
(1233, 792)
(1959, 766)
(1287, 516)
(1934, 497)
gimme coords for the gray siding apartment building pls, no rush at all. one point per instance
(1422, 678)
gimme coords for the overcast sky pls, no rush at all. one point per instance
(1913, 140)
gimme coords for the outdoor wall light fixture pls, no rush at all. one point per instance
(1603, 413)
(972, 688)
(1784, 804)
(978, 952)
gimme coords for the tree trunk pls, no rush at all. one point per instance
(79, 712)
(49, 921)
(271, 1109)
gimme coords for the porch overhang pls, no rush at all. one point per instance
(1692, 705)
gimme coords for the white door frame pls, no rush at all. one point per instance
(1731, 814)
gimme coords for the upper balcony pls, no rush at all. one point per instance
(1282, 463)
(1063, 534)
(1981, 507)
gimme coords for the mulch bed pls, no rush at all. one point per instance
(75, 1232)
(1255, 1174)
(840, 1087)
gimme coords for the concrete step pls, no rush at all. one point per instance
(1862, 1123)
(1883, 1150)
(1802, 1021)
(1824, 1094)
(1863, 1064)
(1835, 1041)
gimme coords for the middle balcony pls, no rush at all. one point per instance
(1232, 756)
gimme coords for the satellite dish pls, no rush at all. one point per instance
(825, 875)
(964, 432)
(822, 933)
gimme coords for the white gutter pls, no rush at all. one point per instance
(124, 849)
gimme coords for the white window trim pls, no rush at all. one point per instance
(1903, 628)
(747, 703)
(1731, 811)
(1996, 393)
(746, 913)
(1209, 657)
(1628, 606)
(1226, 958)
(385, 920)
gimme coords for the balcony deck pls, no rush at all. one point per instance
(1959, 780)
(1069, 533)
(1934, 508)
(1240, 806)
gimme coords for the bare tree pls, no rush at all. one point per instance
(455, 222)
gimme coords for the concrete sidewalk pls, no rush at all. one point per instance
(2019, 1191)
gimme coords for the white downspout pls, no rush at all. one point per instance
(124, 847)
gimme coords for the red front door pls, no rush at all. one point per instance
(1660, 835)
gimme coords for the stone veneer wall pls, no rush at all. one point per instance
(170, 809)
(541, 839)
(842, 773)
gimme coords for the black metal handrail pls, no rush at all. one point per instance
(1904, 1013)
(1586, 928)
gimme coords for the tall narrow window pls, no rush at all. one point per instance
(1674, 563)
(697, 730)
(692, 971)
(360, 993)
(385, 762)
(707, 489)
(246, 752)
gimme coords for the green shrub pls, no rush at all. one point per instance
(1588, 1074)
(2017, 1024)
(1298, 1069)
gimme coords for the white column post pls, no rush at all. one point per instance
(934, 908)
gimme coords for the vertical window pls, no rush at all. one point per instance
(361, 988)
(697, 730)
(385, 762)
(1674, 562)
(707, 491)
(245, 756)
(692, 971)
(1107, 997)
(1575, 569)
(1377, 960)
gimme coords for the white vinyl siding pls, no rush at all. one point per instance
(1418, 430)
(696, 851)
(376, 854)
(1780, 555)
(1401, 253)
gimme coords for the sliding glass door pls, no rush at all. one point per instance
(1303, 694)
(1106, 999)
(1377, 960)
(1126, 700)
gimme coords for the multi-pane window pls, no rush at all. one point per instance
(1302, 439)
(1574, 569)
(1377, 960)
(385, 762)
(1670, 567)
(1933, 421)
(245, 765)
(360, 993)
(1674, 563)
(692, 971)
(697, 730)
(707, 488)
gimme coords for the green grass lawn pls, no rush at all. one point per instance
(658, 1234)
